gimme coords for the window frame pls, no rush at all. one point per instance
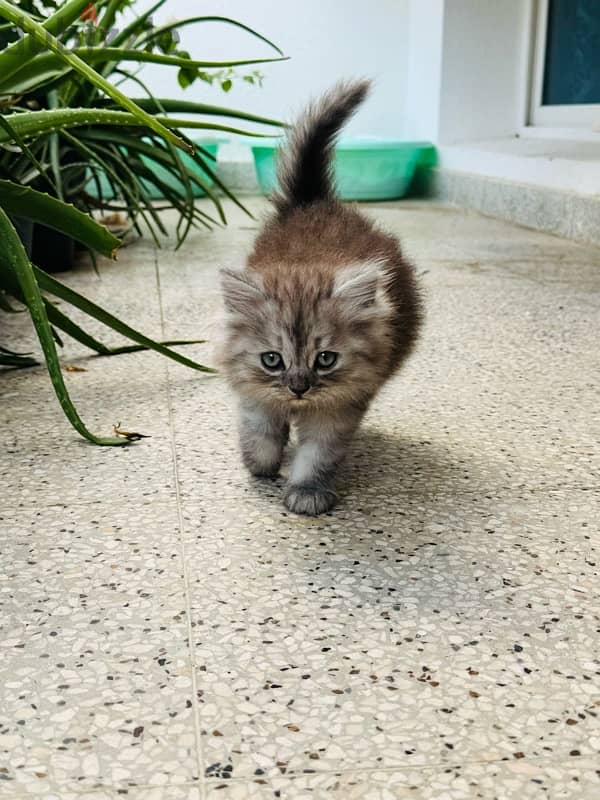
(577, 115)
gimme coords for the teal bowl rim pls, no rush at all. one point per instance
(360, 143)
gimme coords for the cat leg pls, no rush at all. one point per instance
(262, 439)
(323, 442)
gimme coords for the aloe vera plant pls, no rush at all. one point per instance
(63, 123)
(58, 87)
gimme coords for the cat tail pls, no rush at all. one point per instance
(304, 169)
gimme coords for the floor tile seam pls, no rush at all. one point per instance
(199, 754)
(182, 499)
(506, 641)
(497, 268)
(421, 767)
(533, 490)
(62, 787)
(540, 283)
(456, 423)
(294, 776)
(547, 284)
(17, 513)
(507, 267)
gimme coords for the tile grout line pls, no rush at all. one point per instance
(423, 767)
(366, 770)
(293, 776)
(181, 524)
(537, 489)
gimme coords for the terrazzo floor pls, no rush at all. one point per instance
(170, 632)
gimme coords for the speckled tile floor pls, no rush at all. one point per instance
(169, 632)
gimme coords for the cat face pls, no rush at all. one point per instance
(307, 338)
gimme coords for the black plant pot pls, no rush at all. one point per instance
(24, 227)
(52, 251)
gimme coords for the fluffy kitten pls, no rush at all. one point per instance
(325, 311)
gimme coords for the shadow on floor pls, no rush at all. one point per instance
(387, 465)
(382, 471)
(402, 502)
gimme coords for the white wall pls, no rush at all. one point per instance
(483, 69)
(467, 69)
(325, 39)
(424, 69)
(446, 71)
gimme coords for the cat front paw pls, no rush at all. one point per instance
(261, 469)
(311, 501)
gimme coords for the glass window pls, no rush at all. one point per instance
(572, 60)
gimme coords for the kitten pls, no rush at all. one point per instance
(326, 310)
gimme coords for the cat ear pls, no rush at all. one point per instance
(357, 286)
(241, 291)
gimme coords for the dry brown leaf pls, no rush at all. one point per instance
(131, 435)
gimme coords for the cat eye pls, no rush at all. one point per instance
(326, 360)
(272, 361)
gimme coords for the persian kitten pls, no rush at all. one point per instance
(323, 314)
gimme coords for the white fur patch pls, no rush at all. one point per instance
(256, 421)
(304, 464)
(361, 286)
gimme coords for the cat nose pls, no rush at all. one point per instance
(299, 386)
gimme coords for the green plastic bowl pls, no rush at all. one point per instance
(365, 169)
(165, 176)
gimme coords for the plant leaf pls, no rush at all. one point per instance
(134, 28)
(51, 43)
(34, 123)
(107, 54)
(50, 284)
(60, 320)
(14, 258)
(48, 66)
(39, 207)
(20, 52)
(131, 190)
(8, 352)
(7, 360)
(160, 156)
(33, 75)
(26, 150)
(157, 32)
(136, 348)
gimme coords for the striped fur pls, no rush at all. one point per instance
(321, 277)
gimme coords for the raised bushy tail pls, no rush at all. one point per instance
(304, 169)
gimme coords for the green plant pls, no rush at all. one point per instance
(61, 116)
(74, 129)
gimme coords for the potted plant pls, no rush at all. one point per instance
(109, 161)
(48, 147)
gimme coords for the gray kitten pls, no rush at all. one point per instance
(324, 313)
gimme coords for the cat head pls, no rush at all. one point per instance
(307, 337)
